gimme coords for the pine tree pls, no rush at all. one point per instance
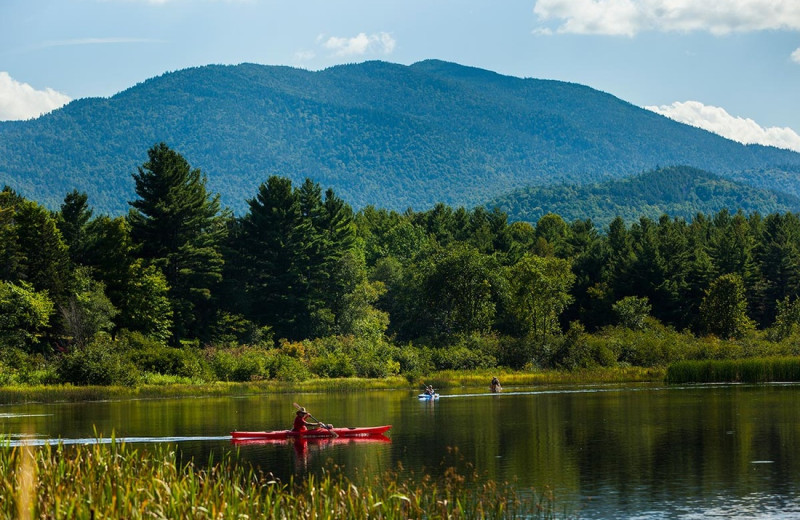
(178, 227)
(270, 248)
(72, 221)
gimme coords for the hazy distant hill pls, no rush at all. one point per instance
(378, 133)
(675, 191)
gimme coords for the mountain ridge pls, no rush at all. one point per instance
(676, 191)
(378, 133)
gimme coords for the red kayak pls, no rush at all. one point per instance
(301, 443)
(367, 431)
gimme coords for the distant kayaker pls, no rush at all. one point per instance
(495, 385)
(300, 423)
(429, 390)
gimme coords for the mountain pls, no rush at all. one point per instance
(678, 191)
(378, 133)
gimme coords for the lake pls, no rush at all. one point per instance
(645, 451)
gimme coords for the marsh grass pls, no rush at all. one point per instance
(482, 378)
(750, 370)
(441, 380)
(117, 481)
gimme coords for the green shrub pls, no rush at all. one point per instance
(8, 376)
(98, 363)
(413, 361)
(150, 355)
(460, 357)
(288, 368)
(333, 364)
(242, 363)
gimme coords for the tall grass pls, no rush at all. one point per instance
(116, 481)
(440, 380)
(750, 370)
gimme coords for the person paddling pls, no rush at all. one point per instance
(495, 385)
(300, 422)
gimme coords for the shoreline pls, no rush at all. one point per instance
(21, 394)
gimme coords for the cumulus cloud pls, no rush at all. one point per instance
(304, 55)
(629, 17)
(22, 101)
(796, 56)
(719, 121)
(362, 44)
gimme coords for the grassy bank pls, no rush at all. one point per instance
(751, 370)
(445, 380)
(115, 481)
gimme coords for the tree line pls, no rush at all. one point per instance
(300, 271)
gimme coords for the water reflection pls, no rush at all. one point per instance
(608, 451)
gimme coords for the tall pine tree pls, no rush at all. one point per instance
(178, 226)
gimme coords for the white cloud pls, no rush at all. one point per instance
(719, 121)
(22, 101)
(362, 44)
(796, 56)
(304, 55)
(629, 17)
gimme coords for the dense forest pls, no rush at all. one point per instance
(678, 191)
(377, 133)
(300, 285)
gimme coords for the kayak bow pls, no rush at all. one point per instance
(316, 433)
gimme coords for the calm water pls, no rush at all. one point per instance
(644, 451)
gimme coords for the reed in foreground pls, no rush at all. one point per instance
(750, 370)
(117, 481)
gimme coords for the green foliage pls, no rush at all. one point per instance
(538, 293)
(151, 356)
(467, 354)
(146, 306)
(88, 311)
(35, 251)
(24, 313)
(396, 147)
(177, 226)
(679, 191)
(754, 370)
(296, 258)
(632, 312)
(101, 362)
(724, 309)
(241, 363)
(72, 221)
(457, 290)
(359, 317)
(787, 320)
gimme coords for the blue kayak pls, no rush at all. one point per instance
(428, 397)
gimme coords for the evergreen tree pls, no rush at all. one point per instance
(271, 248)
(43, 255)
(72, 221)
(778, 260)
(178, 227)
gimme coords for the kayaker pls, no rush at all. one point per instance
(300, 423)
(495, 385)
(429, 390)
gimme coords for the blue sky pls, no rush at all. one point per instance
(731, 66)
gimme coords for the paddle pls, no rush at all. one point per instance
(324, 425)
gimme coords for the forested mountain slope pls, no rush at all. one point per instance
(678, 191)
(378, 133)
